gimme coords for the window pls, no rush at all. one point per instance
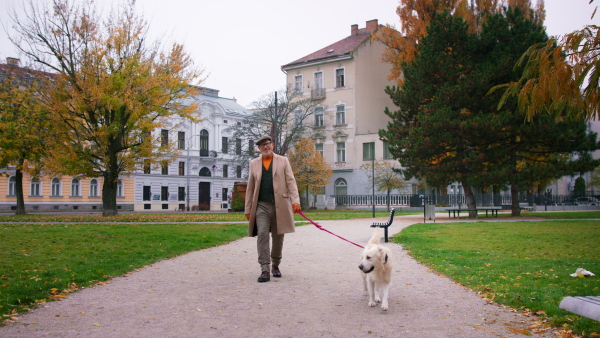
(181, 168)
(298, 118)
(319, 148)
(319, 117)
(340, 115)
(164, 193)
(204, 143)
(341, 151)
(120, 188)
(298, 84)
(341, 187)
(225, 170)
(35, 187)
(238, 172)
(147, 195)
(181, 194)
(55, 185)
(75, 187)
(339, 77)
(146, 166)
(251, 147)
(238, 146)
(224, 148)
(94, 188)
(164, 169)
(204, 172)
(164, 137)
(181, 140)
(12, 185)
(386, 151)
(368, 151)
(224, 194)
(318, 80)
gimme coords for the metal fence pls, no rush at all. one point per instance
(449, 200)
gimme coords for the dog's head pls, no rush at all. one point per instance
(373, 257)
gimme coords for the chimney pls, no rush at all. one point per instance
(12, 61)
(372, 25)
(354, 29)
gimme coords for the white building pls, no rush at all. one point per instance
(210, 161)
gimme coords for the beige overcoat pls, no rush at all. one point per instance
(285, 189)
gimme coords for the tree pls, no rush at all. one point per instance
(23, 124)
(579, 188)
(387, 178)
(282, 115)
(573, 63)
(416, 15)
(310, 169)
(111, 89)
(448, 129)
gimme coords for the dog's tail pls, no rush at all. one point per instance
(376, 236)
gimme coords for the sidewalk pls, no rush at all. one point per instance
(214, 292)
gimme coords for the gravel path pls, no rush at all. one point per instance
(214, 292)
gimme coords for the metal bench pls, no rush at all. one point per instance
(385, 225)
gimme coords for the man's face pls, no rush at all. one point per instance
(266, 148)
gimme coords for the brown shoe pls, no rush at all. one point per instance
(276, 272)
(264, 277)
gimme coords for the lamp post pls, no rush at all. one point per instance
(373, 174)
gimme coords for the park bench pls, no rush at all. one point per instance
(584, 306)
(456, 211)
(385, 225)
(525, 206)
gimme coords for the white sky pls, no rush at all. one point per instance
(242, 44)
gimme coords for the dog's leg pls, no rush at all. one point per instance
(386, 292)
(371, 287)
(376, 291)
(364, 277)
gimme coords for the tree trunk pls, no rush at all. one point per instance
(19, 192)
(471, 204)
(109, 194)
(514, 195)
(388, 200)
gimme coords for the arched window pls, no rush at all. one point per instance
(35, 187)
(204, 142)
(341, 187)
(75, 187)
(94, 188)
(205, 172)
(120, 188)
(12, 186)
(55, 187)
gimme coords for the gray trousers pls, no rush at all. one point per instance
(265, 220)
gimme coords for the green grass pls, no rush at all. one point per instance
(525, 265)
(41, 262)
(338, 214)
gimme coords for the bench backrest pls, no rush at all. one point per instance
(391, 216)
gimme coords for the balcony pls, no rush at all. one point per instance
(317, 94)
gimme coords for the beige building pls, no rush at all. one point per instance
(350, 78)
(61, 193)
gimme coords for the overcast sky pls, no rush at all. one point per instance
(242, 44)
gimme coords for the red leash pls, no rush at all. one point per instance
(321, 228)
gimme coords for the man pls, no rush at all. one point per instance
(271, 201)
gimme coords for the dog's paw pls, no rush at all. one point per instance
(372, 304)
(384, 306)
(377, 299)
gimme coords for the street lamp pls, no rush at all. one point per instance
(373, 174)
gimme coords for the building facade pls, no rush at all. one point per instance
(209, 163)
(349, 78)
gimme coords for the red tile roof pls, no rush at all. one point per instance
(336, 50)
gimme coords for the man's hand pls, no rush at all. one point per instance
(296, 208)
(247, 216)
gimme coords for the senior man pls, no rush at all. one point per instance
(271, 201)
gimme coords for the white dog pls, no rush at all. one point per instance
(376, 267)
